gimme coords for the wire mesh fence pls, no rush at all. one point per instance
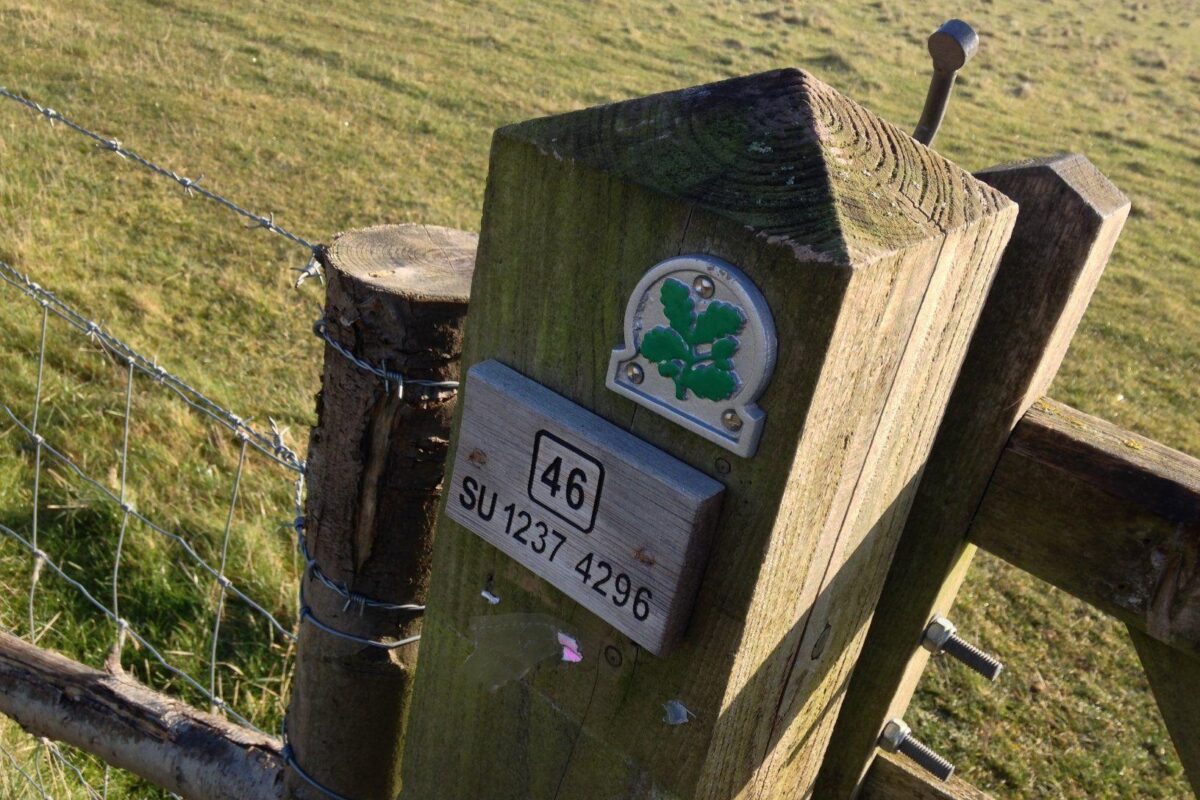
(193, 603)
(147, 526)
(142, 523)
(40, 768)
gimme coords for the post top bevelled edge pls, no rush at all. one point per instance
(1075, 171)
(780, 153)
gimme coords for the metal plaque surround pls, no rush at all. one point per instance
(613, 522)
(700, 357)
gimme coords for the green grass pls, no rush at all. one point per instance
(336, 114)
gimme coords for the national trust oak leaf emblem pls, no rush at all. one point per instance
(696, 351)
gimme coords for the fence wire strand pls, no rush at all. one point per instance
(35, 783)
(399, 379)
(125, 508)
(126, 629)
(221, 579)
(57, 755)
(270, 444)
(105, 492)
(190, 185)
(36, 566)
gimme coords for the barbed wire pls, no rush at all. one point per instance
(351, 598)
(306, 614)
(191, 186)
(270, 445)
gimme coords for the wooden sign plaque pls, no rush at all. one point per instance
(616, 524)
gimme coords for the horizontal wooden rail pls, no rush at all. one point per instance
(1105, 514)
(892, 777)
(110, 715)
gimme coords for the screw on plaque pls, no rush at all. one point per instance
(941, 636)
(897, 737)
(951, 46)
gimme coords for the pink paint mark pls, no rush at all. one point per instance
(572, 652)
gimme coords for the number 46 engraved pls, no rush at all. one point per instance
(565, 481)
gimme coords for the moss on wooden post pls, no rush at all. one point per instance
(873, 254)
(1071, 216)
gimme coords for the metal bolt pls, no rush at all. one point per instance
(897, 738)
(951, 47)
(704, 286)
(634, 372)
(942, 637)
(731, 420)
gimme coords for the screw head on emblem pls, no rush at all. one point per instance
(699, 349)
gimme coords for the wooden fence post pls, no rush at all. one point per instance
(1175, 681)
(1114, 519)
(873, 255)
(396, 300)
(1070, 218)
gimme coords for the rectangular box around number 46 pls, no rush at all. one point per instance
(614, 523)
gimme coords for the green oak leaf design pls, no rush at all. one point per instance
(680, 350)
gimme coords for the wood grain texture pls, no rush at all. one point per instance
(1070, 217)
(1102, 513)
(424, 263)
(649, 517)
(873, 254)
(108, 714)
(376, 464)
(1175, 680)
(893, 777)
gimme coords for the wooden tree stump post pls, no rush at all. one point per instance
(1070, 218)
(873, 255)
(396, 300)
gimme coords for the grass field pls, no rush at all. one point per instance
(336, 114)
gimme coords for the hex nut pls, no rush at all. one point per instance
(895, 731)
(937, 633)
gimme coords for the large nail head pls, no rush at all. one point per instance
(952, 45)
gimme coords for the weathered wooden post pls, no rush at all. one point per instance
(798, 229)
(396, 302)
(1070, 218)
(1114, 519)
